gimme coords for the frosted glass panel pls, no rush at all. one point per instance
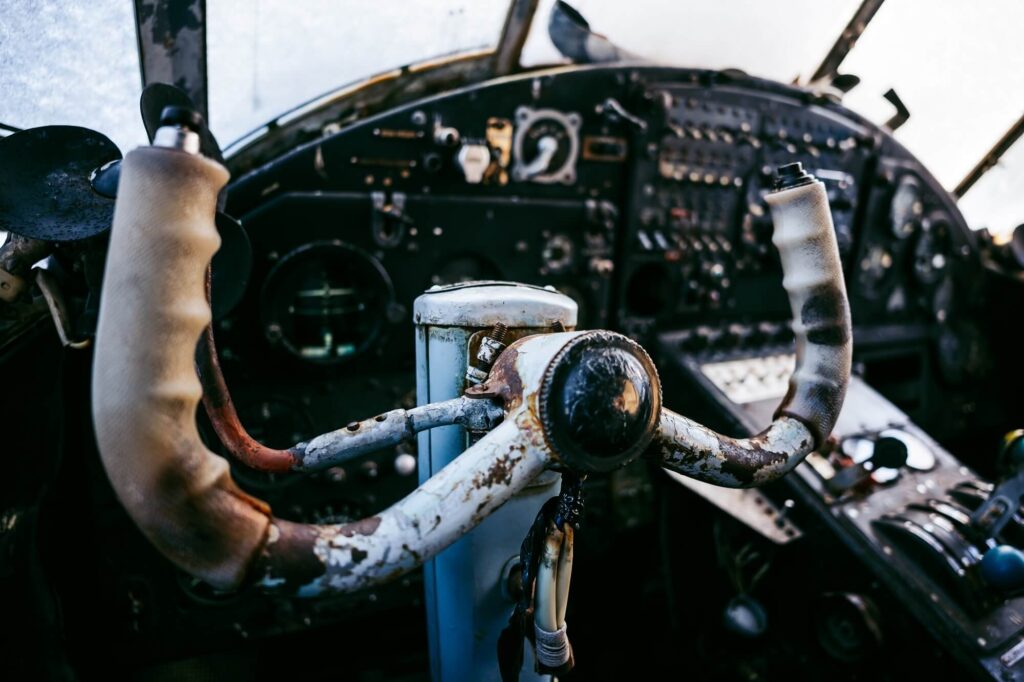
(71, 62)
(266, 57)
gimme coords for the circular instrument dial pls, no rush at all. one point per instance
(546, 145)
(326, 302)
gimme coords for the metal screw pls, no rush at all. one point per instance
(498, 332)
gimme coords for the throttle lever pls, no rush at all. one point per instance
(1004, 502)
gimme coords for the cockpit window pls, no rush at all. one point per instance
(954, 65)
(996, 201)
(266, 57)
(777, 40)
(72, 62)
(958, 69)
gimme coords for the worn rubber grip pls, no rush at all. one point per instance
(813, 278)
(145, 389)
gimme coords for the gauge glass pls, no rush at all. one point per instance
(326, 302)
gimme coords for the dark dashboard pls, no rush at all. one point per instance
(636, 191)
(639, 192)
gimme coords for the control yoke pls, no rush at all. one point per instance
(585, 401)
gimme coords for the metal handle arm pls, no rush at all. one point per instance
(181, 495)
(813, 279)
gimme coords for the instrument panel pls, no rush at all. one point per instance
(639, 192)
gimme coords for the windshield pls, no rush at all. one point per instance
(777, 40)
(71, 62)
(956, 66)
(76, 61)
(266, 57)
(959, 70)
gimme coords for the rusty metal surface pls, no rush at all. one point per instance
(813, 279)
(172, 46)
(180, 494)
(356, 555)
(391, 428)
(18, 254)
(334, 447)
(16, 258)
(686, 447)
(223, 416)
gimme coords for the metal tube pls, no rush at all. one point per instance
(334, 447)
(694, 450)
(311, 560)
(847, 39)
(223, 416)
(391, 428)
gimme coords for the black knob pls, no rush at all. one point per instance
(600, 402)
(183, 117)
(792, 175)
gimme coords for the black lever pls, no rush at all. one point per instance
(889, 453)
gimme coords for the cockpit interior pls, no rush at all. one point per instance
(568, 341)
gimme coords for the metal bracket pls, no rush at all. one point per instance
(748, 506)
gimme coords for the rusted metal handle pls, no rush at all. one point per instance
(813, 278)
(181, 495)
(333, 448)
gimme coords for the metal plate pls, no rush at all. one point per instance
(45, 183)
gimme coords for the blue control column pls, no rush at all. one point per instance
(466, 602)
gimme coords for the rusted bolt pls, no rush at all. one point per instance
(498, 332)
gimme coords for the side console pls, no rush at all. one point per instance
(892, 494)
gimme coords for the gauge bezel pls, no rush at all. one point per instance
(527, 117)
(305, 251)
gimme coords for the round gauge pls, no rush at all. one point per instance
(545, 146)
(861, 450)
(933, 251)
(557, 255)
(906, 208)
(325, 302)
(919, 456)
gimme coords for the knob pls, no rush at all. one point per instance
(183, 117)
(1002, 567)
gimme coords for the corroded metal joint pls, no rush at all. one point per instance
(595, 396)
